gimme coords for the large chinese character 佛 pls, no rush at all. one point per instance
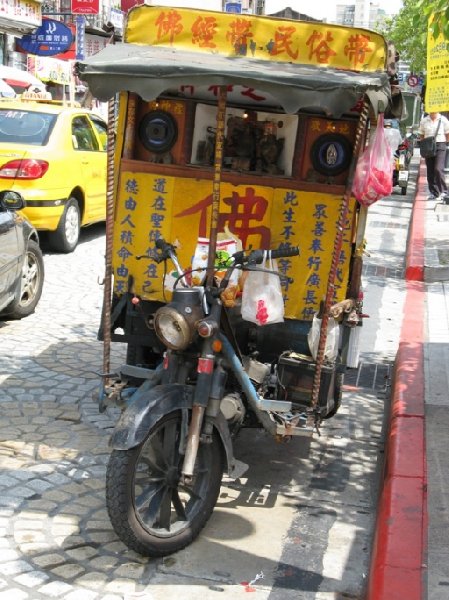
(203, 31)
(168, 24)
(319, 46)
(244, 211)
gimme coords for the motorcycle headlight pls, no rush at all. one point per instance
(175, 323)
(172, 328)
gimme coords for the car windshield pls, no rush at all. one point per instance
(25, 127)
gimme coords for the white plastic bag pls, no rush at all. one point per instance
(333, 333)
(262, 301)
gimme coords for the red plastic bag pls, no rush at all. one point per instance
(373, 177)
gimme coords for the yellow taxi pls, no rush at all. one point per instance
(55, 157)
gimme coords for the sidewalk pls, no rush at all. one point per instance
(411, 552)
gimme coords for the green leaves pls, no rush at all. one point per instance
(408, 30)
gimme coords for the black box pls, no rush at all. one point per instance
(296, 373)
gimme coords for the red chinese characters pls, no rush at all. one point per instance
(169, 24)
(203, 31)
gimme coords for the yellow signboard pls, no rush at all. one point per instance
(178, 209)
(260, 38)
(437, 85)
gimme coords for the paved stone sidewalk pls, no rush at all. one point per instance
(57, 541)
(53, 448)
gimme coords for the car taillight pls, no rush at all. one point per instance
(27, 168)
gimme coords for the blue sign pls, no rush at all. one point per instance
(233, 7)
(52, 37)
(80, 37)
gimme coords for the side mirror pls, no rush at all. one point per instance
(11, 200)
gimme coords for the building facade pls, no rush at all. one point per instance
(362, 13)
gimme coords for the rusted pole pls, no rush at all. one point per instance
(343, 215)
(219, 140)
(107, 291)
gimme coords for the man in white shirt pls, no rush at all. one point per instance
(431, 125)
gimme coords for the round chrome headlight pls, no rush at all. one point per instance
(172, 328)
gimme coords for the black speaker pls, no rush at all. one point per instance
(331, 154)
(326, 147)
(158, 131)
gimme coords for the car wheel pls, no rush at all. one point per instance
(65, 238)
(31, 284)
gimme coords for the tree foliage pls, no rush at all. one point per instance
(408, 30)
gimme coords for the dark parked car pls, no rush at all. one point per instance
(21, 262)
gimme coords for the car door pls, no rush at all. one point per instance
(10, 257)
(92, 158)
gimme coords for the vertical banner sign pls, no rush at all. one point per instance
(80, 37)
(437, 88)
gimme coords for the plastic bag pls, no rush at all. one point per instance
(262, 301)
(333, 334)
(373, 178)
(394, 138)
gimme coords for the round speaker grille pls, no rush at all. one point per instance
(331, 154)
(158, 131)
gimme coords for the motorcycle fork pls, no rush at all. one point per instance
(205, 374)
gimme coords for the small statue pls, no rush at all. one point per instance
(269, 151)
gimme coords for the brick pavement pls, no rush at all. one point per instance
(57, 540)
(53, 449)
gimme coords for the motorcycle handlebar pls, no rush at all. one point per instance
(167, 250)
(284, 252)
(257, 256)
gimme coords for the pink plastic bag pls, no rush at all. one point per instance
(373, 177)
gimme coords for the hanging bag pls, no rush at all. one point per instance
(262, 300)
(428, 145)
(373, 177)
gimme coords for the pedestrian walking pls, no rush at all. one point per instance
(435, 124)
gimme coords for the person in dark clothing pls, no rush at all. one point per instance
(436, 124)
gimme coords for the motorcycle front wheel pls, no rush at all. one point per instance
(151, 510)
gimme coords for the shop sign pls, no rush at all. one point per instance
(52, 37)
(50, 69)
(21, 11)
(85, 7)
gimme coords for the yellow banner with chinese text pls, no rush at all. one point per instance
(437, 84)
(178, 209)
(256, 37)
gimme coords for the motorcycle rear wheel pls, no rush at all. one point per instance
(151, 511)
